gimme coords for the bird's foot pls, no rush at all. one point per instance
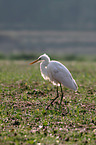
(49, 106)
(66, 102)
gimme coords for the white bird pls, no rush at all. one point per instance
(57, 73)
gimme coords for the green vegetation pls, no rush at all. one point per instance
(24, 96)
(68, 57)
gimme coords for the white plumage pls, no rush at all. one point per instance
(56, 72)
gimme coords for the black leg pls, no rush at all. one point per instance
(53, 99)
(61, 95)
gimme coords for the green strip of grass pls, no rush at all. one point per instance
(70, 57)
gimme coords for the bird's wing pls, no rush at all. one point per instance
(57, 67)
(62, 75)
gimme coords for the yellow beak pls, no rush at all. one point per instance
(34, 61)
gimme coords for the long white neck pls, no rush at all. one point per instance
(43, 68)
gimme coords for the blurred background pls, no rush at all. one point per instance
(64, 29)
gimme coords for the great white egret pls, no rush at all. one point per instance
(57, 73)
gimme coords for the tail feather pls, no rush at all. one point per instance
(70, 83)
(75, 85)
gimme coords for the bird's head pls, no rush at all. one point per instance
(41, 58)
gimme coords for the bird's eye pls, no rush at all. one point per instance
(40, 58)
